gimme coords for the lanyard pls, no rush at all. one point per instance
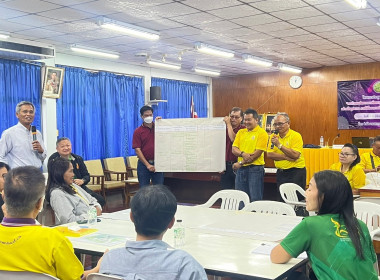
(79, 195)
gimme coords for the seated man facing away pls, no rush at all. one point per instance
(4, 168)
(26, 245)
(152, 212)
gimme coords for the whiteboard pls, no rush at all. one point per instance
(190, 145)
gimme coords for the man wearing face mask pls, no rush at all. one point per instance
(143, 143)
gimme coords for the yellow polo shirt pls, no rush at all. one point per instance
(365, 160)
(292, 140)
(38, 249)
(355, 176)
(250, 141)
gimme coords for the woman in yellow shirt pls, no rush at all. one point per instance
(348, 160)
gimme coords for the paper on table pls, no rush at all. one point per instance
(108, 240)
(266, 248)
(119, 215)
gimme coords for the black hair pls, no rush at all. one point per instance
(153, 208)
(56, 169)
(23, 187)
(335, 197)
(253, 112)
(3, 164)
(145, 108)
(376, 139)
(355, 151)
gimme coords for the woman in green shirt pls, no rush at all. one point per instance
(338, 245)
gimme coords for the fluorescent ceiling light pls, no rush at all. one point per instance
(289, 68)
(208, 72)
(164, 64)
(93, 51)
(378, 22)
(257, 60)
(4, 35)
(128, 29)
(358, 4)
(207, 49)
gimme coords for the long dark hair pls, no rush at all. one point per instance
(355, 151)
(335, 197)
(56, 169)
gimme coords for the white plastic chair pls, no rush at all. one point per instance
(25, 275)
(369, 213)
(99, 276)
(288, 193)
(230, 199)
(270, 207)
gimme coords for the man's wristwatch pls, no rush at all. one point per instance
(280, 146)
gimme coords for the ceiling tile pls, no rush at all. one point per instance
(210, 5)
(310, 21)
(29, 6)
(297, 13)
(255, 20)
(10, 13)
(35, 21)
(235, 12)
(66, 14)
(173, 9)
(278, 5)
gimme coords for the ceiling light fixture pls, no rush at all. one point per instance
(93, 51)
(207, 49)
(164, 64)
(4, 35)
(289, 68)
(129, 29)
(358, 4)
(207, 72)
(378, 22)
(256, 60)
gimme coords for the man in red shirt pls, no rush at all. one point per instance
(143, 143)
(233, 125)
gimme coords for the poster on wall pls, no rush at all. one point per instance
(359, 104)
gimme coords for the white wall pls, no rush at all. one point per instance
(49, 118)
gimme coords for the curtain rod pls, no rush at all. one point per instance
(98, 70)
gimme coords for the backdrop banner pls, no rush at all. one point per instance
(359, 104)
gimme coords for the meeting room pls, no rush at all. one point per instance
(190, 139)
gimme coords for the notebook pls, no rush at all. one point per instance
(361, 142)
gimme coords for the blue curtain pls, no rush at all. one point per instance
(18, 81)
(99, 112)
(178, 94)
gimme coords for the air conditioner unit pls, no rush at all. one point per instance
(23, 49)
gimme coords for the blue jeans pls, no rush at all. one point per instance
(144, 176)
(250, 179)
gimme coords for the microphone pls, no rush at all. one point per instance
(275, 132)
(336, 137)
(34, 133)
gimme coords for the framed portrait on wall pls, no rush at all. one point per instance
(53, 81)
(269, 120)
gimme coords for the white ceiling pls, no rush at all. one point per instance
(303, 33)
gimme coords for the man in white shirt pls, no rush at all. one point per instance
(17, 147)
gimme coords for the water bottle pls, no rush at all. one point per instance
(92, 215)
(179, 234)
(321, 141)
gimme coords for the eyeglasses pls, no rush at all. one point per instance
(235, 117)
(279, 123)
(345, 155)
(3, 175)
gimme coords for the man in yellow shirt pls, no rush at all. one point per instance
(26, 245)
(370, 162)
(249, 146)
(287, 152)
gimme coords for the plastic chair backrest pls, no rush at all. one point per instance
(369, 213)
(230, 199)
(99, 276)
(94, 167)
(270, 207)
(25, 275)
(288, 193)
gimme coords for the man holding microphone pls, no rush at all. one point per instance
(286, 149)
(22, 144)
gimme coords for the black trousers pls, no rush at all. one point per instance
(98, 197)
(227, 179)
(291, 175)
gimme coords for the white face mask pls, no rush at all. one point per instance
(148, 119)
